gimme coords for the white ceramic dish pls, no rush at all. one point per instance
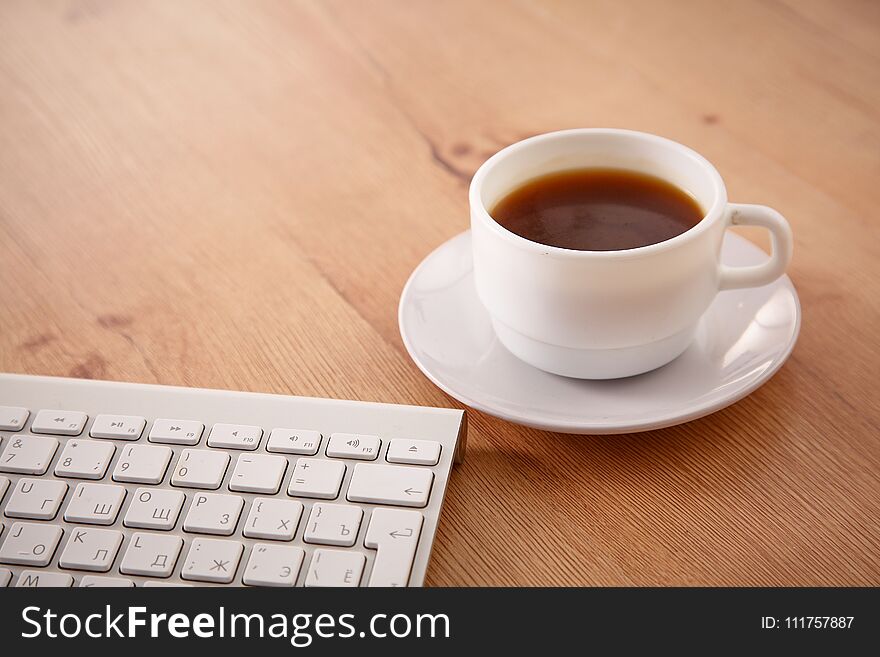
(742, 340)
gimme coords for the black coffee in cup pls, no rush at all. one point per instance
(597, 210)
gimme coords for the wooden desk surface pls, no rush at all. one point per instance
(232, 195)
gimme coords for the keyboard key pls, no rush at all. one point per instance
(316, 478)
(5, 576)
(60, 423)
(354, 446)
(413, 452)
(151, 555)
(105, 582)
(211, 513)
(95, 504)
(4, 484)
(13, 418)
(91, 549)
(155, 584)
(200, 468)
(210, 560)
(84, 459)
(30, 544)
(235, 436)
(118, 427)
(335, 568)
(28, 455)
(154, 509)
(258, 473)
(176, 432)
(273, 565)
(40, 579)
(37, 499)
(333, 524)
(273, 519)
(390, 484)
(294, 441)
(395, 534)
(143, 464)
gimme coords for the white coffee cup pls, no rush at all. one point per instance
(609, 314)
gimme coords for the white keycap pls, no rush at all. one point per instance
(151, 555)
(105, 582)
(37, 499)
(118, 427)
(176, 432)
(395, 534)
(210, 560)
(91, 549)
(273, 519)
(40, 578)
(154, 509)
(335, 568)
(273, 565)
(316, 478)
(30, 544)
(5, 576)
(390, 484)
(200, 468)
(154, 584)
(95, 504)
(28, 454)
(413, 452)
(143, 464)
(4, 484)
(211, 513)
(13, 418)
(333, 524)
(235, 436)
(294, 441)
(258, 473)
(354, 446)
(84, 459)
(61, 423)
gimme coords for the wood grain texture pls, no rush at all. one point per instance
(232, 195)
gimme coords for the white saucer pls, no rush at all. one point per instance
(743, 339)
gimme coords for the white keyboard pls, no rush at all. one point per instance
(117, 484)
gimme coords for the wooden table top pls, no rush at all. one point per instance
(232, 195)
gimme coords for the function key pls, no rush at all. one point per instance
(118, 427)
(413, 452)
(176, 432)
(354, 446)
(12, 418)
(294, 441)
(235, 436)
(60, 423)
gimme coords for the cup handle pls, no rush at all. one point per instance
(743, 214)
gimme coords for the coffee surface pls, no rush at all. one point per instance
(597, 210)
